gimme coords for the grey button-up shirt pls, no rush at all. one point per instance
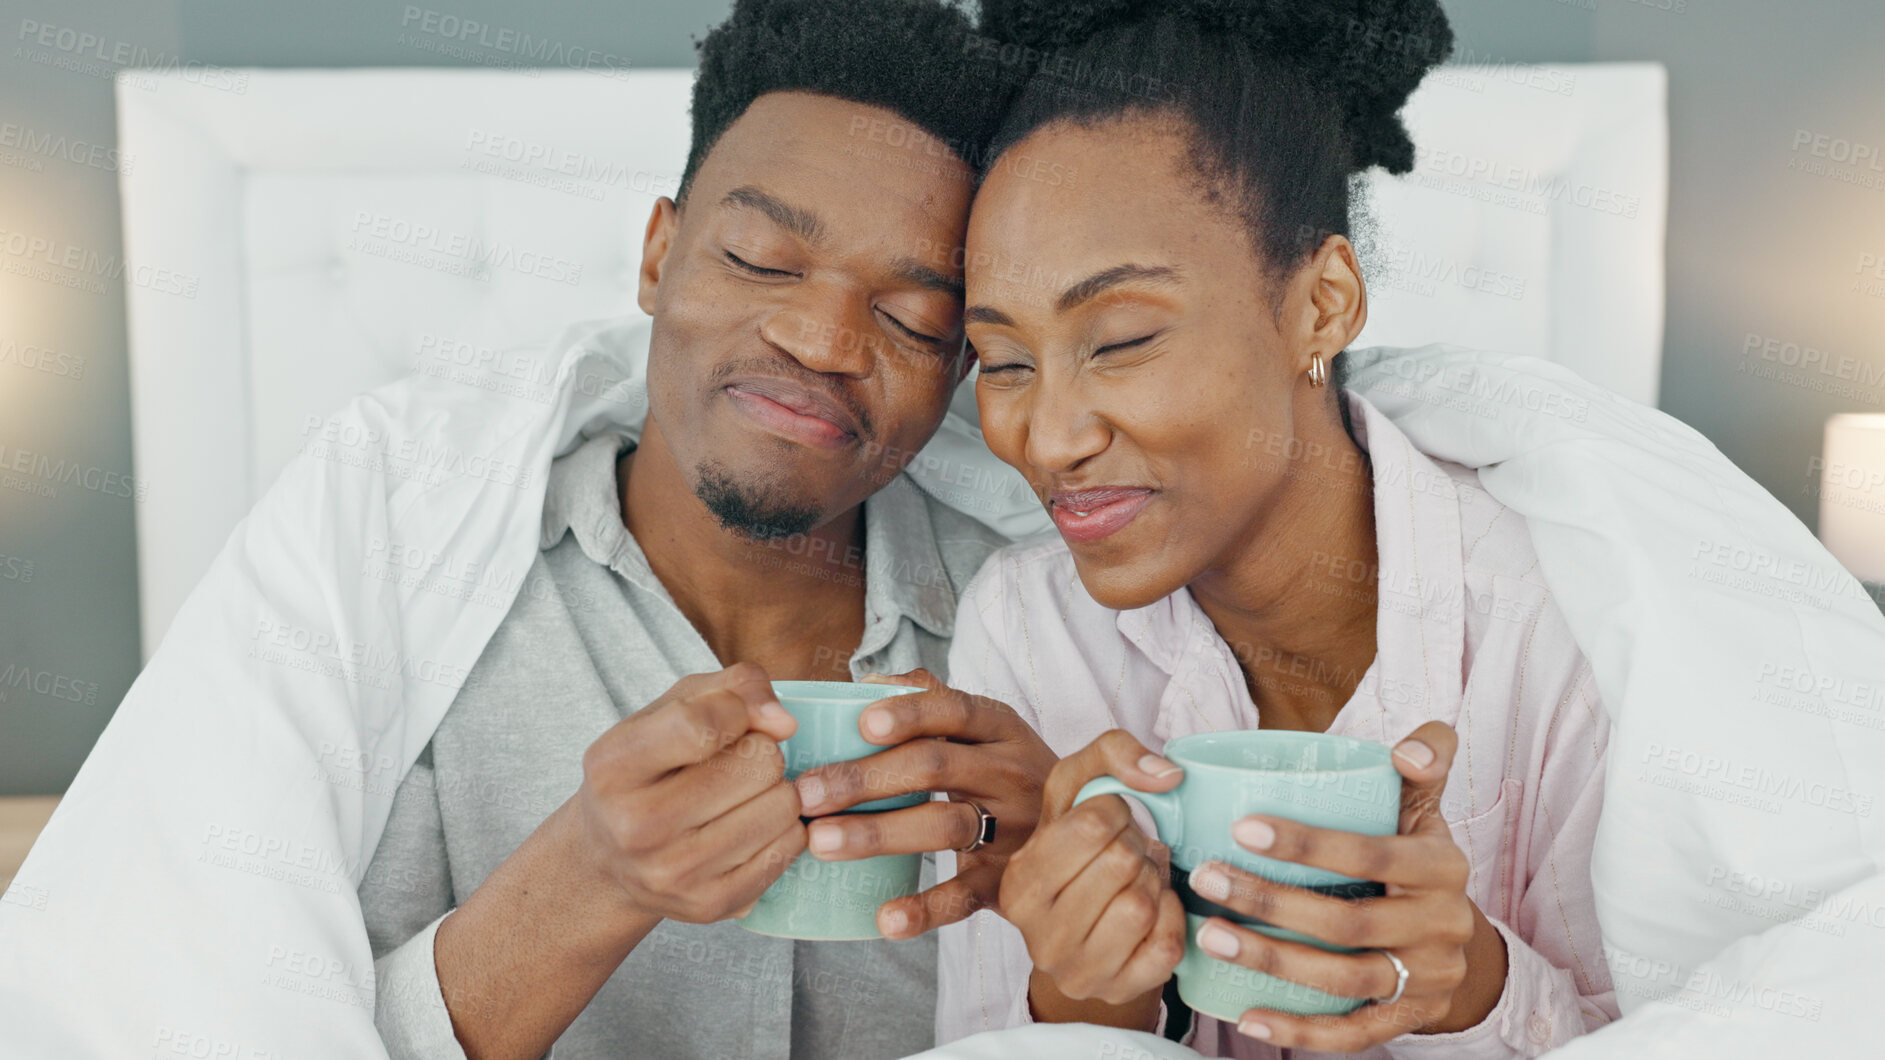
(592, 637)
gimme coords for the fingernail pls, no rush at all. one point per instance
(1414, 753)
(1211, 882)
(774, 714)
(1157, 766)
(1253, 834)
(1217, 941)
(878, 723)
(871, 679)
(811, 792)
(893, 921)
(1257, 1029)
(823, 838)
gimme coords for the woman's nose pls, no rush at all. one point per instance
(1063, 430)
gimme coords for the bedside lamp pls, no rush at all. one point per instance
(1852, 496)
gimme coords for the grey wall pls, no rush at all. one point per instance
(1758, 246)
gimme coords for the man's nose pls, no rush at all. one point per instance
(827, 329)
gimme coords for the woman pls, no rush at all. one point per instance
(1160, 286)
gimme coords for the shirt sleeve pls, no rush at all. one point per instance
(1557, 986)
(982, 961)
(406, 892)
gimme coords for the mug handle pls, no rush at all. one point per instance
(1167, 812)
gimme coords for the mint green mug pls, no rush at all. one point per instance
(1317, 779)
(833, 900)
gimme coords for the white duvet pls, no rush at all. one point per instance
(194, 894)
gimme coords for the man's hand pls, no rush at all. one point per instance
(972, 748)
(683, 813)
(684, 805)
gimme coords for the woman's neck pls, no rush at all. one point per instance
(1296, 599)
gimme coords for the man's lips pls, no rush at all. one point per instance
(1088, 515)
(794, 411)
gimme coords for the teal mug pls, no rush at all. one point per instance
(833, 900)
(1317, 779)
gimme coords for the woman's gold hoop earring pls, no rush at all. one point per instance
(1318, 371)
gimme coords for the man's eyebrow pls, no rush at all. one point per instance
(802, 223)
(911, 271)
(1099, 282)
(981, 314)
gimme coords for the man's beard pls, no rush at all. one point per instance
(751, 510)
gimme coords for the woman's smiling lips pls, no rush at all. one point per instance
(1084, 516)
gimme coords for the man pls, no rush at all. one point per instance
(805, 296)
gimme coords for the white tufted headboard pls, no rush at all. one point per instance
(295, 237)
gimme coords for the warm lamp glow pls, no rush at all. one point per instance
(1852, 493)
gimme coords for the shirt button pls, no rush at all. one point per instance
(1538, 1029)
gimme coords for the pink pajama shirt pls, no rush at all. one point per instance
(1467, 634)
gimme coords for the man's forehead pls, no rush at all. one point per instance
(846, 147)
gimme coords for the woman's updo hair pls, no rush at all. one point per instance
(1286, 100)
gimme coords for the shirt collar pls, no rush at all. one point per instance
(1420, 624)
(904, 574)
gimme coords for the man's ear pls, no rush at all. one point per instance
(1334, 301)
(655, 244)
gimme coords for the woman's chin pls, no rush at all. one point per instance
(1128, 585)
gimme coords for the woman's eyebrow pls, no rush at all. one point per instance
(1084, 291)
(1100, 282)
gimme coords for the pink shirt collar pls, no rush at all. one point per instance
(1419, 667)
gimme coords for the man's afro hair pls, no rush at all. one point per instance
(916, 58)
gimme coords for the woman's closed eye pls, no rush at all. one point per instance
(988, 366)
(1113, 347)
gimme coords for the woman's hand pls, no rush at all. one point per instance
(1091, 896)
(1454, 957)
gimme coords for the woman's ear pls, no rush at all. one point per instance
(655, 244)
(1335, 301)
